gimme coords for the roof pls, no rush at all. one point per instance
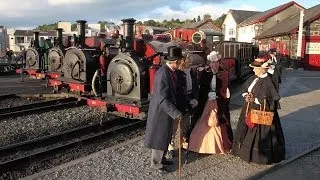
(241, 15)
(198, 24)
(30, 33)
(291, 25)
(263, 16)
(211, 32)
(157, 28)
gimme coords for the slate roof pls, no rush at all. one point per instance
(241, 15)
(291, 25)
(263, 16)
(30, 33)
(198, 24)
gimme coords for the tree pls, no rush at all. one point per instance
(199, 18)
(218, 22)
(206, 16)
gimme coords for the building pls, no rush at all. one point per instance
(3, 40)
(260, 22)
(203, 24)
(22, 38)
(66, 26)
(151, 30)
(232, 20)
(284, 37)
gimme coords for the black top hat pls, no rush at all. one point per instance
(174, 53)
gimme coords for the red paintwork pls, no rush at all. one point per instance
(182, 33)
(152, 73)
(77, 87)
(312, 61)
(150, 51)
(118, 107)
(54, 82)
(103, 64)
(96, 103)
(53, 75)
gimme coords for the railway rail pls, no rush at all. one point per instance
(14, 154)
(38, 107)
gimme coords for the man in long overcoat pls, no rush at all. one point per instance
(162, 109)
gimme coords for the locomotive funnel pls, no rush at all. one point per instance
(36, 38)
(59, 36)
(82, 31)
(128, 32)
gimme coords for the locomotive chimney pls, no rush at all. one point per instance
(59, 36)
(81, 31)
(36, 38)
(128, 32)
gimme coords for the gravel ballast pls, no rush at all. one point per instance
(36, 125)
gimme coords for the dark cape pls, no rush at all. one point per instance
(262, 144)
(222, 83)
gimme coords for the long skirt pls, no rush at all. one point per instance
(208, 136)
(262, 144)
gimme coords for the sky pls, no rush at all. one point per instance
(28, 14)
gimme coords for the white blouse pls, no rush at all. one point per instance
(254, 82)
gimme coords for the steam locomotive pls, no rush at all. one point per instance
(36, 57)
(119, 78)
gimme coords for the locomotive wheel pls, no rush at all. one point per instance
(32, 57)
(55, 58)
(121, 78)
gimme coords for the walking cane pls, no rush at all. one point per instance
(179, 142)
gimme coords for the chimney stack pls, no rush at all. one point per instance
(81, 31)
(59, 36)
(128, 32)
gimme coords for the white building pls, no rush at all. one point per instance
(231, 21)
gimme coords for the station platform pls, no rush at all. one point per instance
(300, 119)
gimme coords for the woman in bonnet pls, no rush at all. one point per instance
(212, 133)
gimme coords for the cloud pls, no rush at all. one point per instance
(31, 13)
(69, 2)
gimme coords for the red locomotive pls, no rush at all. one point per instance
(119, 79)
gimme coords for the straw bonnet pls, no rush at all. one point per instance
(214, 56)
(260, 63)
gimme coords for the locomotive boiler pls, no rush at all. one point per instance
(56, 54)
(82, 62)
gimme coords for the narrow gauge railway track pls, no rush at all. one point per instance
(38, 107)
(20, 153)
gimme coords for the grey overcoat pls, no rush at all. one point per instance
(162, 110)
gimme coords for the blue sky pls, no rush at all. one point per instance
(26, 14)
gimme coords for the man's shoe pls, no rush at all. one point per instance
(166, 162)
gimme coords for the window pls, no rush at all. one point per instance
(196, 37)
(29, 39)
(231, 31)
(19, 40)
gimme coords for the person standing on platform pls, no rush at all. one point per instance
(163, 109)
(212, 133)
(259, 143)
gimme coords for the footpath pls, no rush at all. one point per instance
(300, 119)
